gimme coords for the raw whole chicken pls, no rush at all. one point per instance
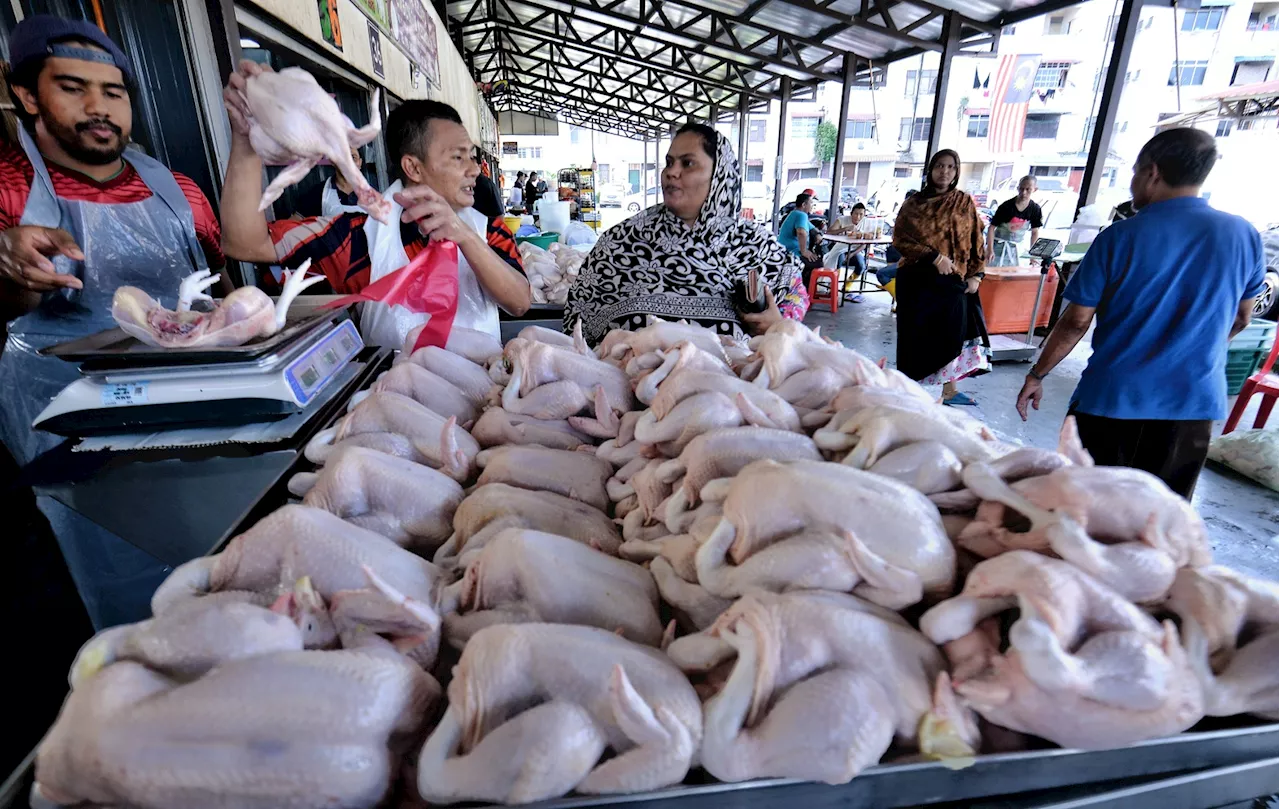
(649, 371)
(809, 524)
(372, 585)
(1230, 632)
(1123, 526)
(463, 374)
(430, 390)
(526, 576)
(928, 467)
(243, 316)
(495, 507)
(553, 383)
(1084, 667)
(190, 638)
(408, 503)
(660, 335)
(821, 685)
(691, 418)
(724, 453)
(440, 440)
(475, 346)
(498, 428)
(872, 433)
(294, 122)
(774, 411)
(576, 475)
(631, 697)
(277, 731)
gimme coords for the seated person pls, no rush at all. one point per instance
(681, 259)
(796, 234)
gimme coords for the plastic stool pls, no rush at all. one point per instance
(833, 286)
(1264, 382)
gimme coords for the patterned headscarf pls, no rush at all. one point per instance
(655, 264)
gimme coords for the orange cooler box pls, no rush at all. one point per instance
(1008, 296)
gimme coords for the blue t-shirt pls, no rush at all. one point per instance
(1167, 284)
(787, 235)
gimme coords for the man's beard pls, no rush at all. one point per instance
(71, 139)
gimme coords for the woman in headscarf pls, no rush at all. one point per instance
(941, 334)
(681, 258)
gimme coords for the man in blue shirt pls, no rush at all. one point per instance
(1170, 287)
(796, 232)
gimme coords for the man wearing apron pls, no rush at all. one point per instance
(81, 216)
(433, 201)
(1007, 230)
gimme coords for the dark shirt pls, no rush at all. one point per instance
(530, 195)
(1018, 221)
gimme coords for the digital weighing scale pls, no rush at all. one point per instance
(1007, 349)
(128, 387)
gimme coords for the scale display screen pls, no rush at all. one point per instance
(308, 374)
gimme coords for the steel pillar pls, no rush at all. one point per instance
(950, 47)
(1109, 105)
(715, 115)
(744, 114)
(850, 68)
(783, 124)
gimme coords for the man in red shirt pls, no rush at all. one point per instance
(433, 201)
(80, 216)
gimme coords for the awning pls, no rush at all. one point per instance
(1216, 3)
(862, 116)
(1262, 89)
(1263, 58)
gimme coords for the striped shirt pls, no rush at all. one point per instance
(338, 247)
(16, 174)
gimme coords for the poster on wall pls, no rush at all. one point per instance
(415, 29)
(330, 28)
(377, 11)
(375, 49)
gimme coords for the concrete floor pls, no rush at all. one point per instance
(1241, 515)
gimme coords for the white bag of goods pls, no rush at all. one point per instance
(1252, 453)
(578, 235)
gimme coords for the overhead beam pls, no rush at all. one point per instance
(630, 103)
(576, 117)
(590, 106)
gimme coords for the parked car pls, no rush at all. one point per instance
(1265, 305)
(820, 187)
(634, 202)
(757, 196)
(611, 196)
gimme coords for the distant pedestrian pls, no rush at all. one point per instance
(1169, 287)
(941, 334)
(516, 203)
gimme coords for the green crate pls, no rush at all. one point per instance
(1246, 353)
(544, 241)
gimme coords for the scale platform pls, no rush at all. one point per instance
(128, 387)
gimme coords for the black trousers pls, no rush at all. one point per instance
(1173, 451)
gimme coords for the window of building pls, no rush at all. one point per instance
(1132, 75)
(901, 172)
(860, 129)
(1109, 177)
(927, 79)
(1224, 128)
(1205, 19)
(805, 128)
(602, 173)
(1051, 75)
(575, 134)
(1246, 124)
(1057, 24)
(1112, 23)
(1009, 30)
(1251, 72)
(756, 130)
(1050, 171)
(1042, 125)
(1089, 126)
(1189, 74)
(920, 131)
(755, 172)
(1262, 18)
(977, 126)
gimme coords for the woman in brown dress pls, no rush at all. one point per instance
(941, 334)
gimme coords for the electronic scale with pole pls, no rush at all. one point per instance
(129, 387)
(1008, 349)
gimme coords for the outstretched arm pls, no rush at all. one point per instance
(1071, 327)
(244, 227)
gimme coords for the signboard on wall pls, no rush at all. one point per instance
(415, 29)
(330, 28)
(377, 11)
(510, 147)
(375, 49)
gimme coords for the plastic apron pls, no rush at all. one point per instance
(388, 326)
(331, 203)
(150, 244)
(1005, 244)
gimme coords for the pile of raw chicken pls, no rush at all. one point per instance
(552, 271)
(523, 571)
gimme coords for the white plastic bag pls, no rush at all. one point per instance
(1252, 453)
(578, 235)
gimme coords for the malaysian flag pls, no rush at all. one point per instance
(1015, 81)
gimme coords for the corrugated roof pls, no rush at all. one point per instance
(643, 66)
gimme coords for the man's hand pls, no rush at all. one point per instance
(759, 322)
(1032, 392)
(808, 255)
(24, 257)
(944, 265)
(991, 254)
(233, 95)
(435, 217)
(971, 285)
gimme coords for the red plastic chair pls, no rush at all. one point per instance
(1264, 382)
(832, 297)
